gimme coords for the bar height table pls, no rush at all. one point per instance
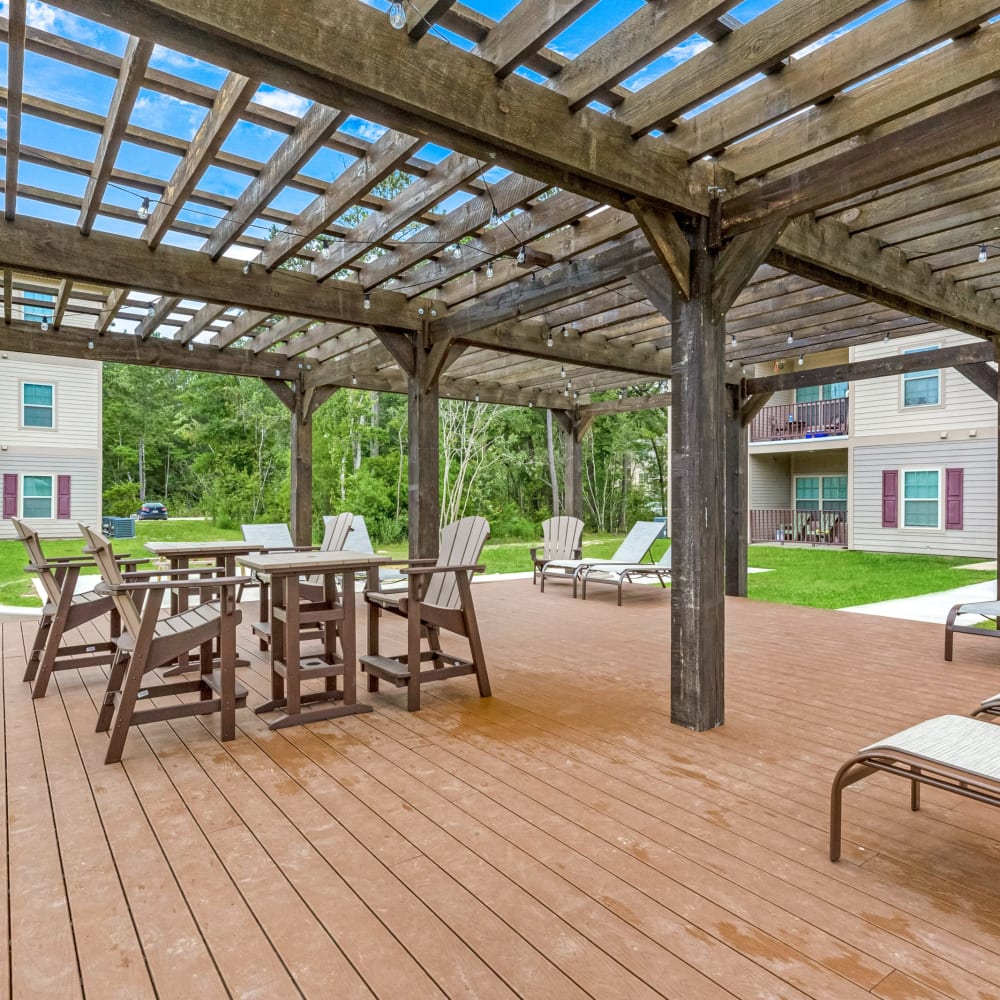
(334, 612)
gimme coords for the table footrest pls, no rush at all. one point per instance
(387, 668)
(312, 667)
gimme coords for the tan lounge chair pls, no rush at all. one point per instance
(438, 596)
(634, 548)
(617, 574)
(149, 641)
(982, 609)
(560, 540)
(63, 611)
(952, 752)
(991, 706)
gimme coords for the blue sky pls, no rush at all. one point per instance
(91, 92)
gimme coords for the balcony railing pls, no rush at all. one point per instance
(812, 527)
(794, 421)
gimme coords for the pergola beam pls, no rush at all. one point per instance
(451, 96)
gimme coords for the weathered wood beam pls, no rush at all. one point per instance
(301, 469)
(104, 258)
(667, 241)
(774, 34)
(423, 14)
(8, 296)
(942, 138)
(826, 253)
(385, 155)
(124, 348)
(242, 326)
(62, 301)
(982, 376)
(740, 259)
(535, 293)
(573, 431)
(278, 332)
(134, 63)
(950, 69)
(450, 96)
(232, 99)
(737, 446)
(282, 390)
(650, 31)
(17, 14)
(919, 361)
(752, 406)
(526, 29)
(423, 442)
(895, 35)
(629, 404)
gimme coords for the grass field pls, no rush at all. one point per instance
(820, 578)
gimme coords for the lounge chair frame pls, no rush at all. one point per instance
(937, 767)
(985, 609)
(619, 575)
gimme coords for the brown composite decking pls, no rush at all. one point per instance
(559, 840)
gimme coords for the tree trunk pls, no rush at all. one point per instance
(553, 478)
(142, 469)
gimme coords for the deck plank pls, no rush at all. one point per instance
(560, 839)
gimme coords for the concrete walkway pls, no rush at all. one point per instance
(929, 607)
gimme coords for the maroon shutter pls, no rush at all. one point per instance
(953, 483)
(890, 498)
(10, 494)
(62, 500)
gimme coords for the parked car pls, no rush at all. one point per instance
(152, 512)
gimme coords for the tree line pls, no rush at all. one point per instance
(219, 446)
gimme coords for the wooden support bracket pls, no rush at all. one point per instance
(666, 240)
(740, 259)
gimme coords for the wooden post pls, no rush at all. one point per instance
(697, 610)
(424, 498)
(574, 427)
(737, 527)
(302, 477)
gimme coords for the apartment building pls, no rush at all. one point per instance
(906, 463)
(50, 432)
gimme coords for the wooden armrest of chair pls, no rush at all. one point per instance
(428, 570)
(173, 574)
(130, 586)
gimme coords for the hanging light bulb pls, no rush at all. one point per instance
(802, 359)
(885, 339)
(354, 380)
(190, 345)
(566, 393)
(531, 404)
(576, 395)
(397, 16)
(489, 270)
(732, 340)
(565, 332)
(983, 255)
(150, 311)
(521, 255)
(246, 267)
(562, 372)
(45, 325)
(791, 339)
(569, 384)
(457, 252)
(477, 397)
(548, 340)
(495, 217)
(143, 210)
(324, 250)
(367, 302)
(90, 345)
(277, 373)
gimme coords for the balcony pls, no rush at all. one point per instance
(811, 527)
(799, 421)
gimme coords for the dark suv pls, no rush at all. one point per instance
(152, 512)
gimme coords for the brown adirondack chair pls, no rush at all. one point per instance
(560, 540)
(148, 641)
(438, 596)
(63, 611)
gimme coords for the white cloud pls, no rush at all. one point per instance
(281, 100)
(166, 113)
(45, 18)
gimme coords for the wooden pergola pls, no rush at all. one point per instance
(817, 177)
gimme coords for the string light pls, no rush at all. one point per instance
(477, 397)
(548, 340)
(457, 252)
(190, 345)
(90, 345)
(791, 339)
(246, 267)
(802, 359)
(44, 325)
(397, 16)
(143, 210)
(983, 254)
(885, 339)
(325, 247)
(367, 302)
(489, 270)
(562, 372)
(151, 311)
(565, 332)
(495, 217)
(732, 340)
(521, 255)
(277, 373)
(354, 380)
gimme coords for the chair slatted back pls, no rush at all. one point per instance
(461, 544)
(268, 536)
(359, 540)
(100, 548)
(561, 537)
(37, 557)
(337, 528)
(637, 542)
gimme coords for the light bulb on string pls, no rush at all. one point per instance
(90, 345)
(791, 339)
(143, 210)
(366, 302)
(489, 270)
(397, 16)
(457, 252)
(354, 380)
(562, 372)
(521, 255)
(151, 310)
(802, 359)
(983, 254)
(45, 325)
(495, 218)
(732, 340)
(548, 340)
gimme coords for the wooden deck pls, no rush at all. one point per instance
(560, 840)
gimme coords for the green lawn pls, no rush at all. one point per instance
(820, 578)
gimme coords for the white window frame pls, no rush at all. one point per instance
(939, 470)
(53, 499)
(35, 427)
(910, 376)
(819, 499)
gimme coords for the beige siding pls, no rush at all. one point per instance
(85, 491)
(820, 463)
(977, 458)
(877, 403)
(770, 482)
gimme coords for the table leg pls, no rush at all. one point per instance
(179, 604)
(348, 642)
